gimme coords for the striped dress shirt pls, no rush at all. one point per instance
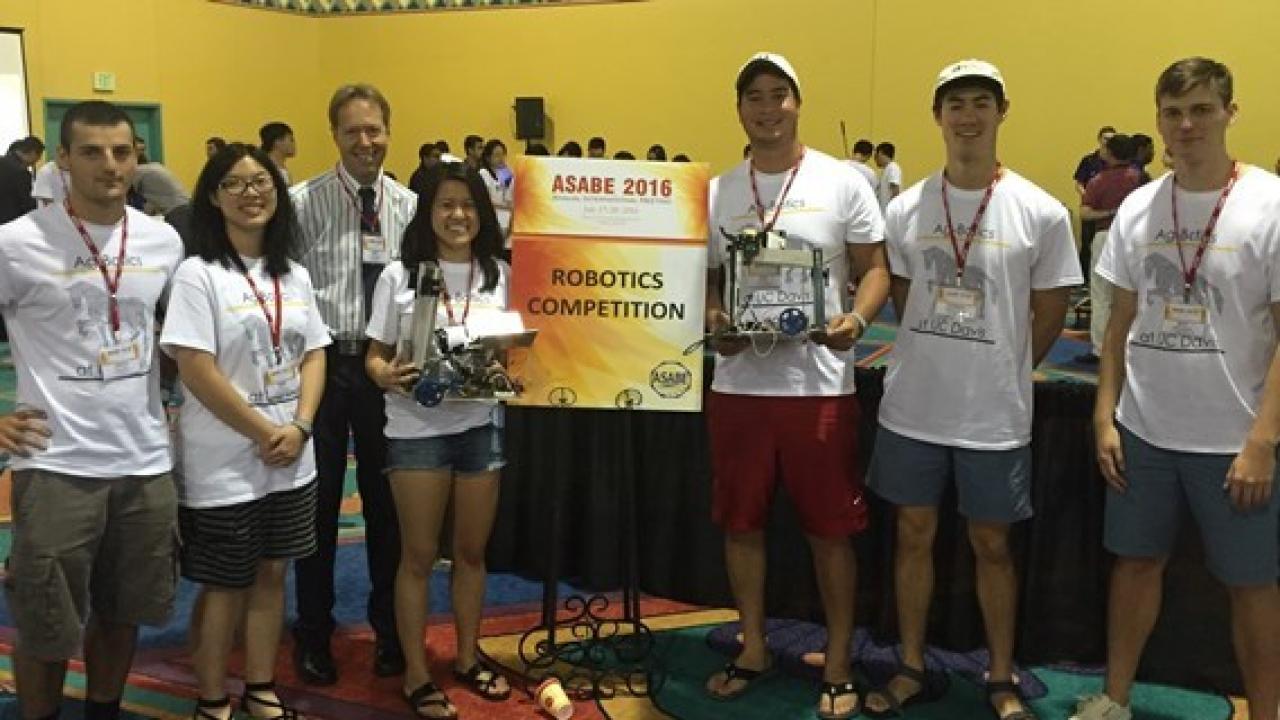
(329, 216)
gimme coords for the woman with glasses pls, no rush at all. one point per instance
(243, 327)
(454, 448)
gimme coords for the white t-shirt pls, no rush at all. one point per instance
(829, 206)
(1188, 386)
(213, 308)
(392, 318)
(866, 172)
(499, 194)
(55, 305)
(962, 377)
(51, 183)
(890, 175)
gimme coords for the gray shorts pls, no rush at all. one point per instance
(103, 543)
(993, 485)
(1241, 549)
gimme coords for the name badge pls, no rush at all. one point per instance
(373, 249)
(961, 303)
(281, 383)
(1187, 316)
(121, 360)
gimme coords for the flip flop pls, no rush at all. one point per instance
(484, 681)
(831, 692)
(1008, 686)
(732, 671)
(897, 706)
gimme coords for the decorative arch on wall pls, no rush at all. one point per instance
(340, 8)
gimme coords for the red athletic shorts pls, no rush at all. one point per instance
(811, 443)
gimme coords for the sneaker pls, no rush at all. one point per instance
(1100, 707)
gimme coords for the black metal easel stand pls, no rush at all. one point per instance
(592, 651)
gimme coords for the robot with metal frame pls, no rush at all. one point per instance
(758, 262)
(451, 363)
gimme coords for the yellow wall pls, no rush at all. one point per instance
(655, 71)
(214, 69)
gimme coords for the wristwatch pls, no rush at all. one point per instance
(304, 426)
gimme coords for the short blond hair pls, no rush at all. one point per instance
(358, 91)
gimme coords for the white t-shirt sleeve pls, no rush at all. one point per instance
(893, 174)
(317, 332)
(895, 240)
(865, 223)
(190, 321)
(1056, 263)
(384, 318)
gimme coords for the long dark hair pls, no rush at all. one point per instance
(209, 228)
(486, 158)
(419, 241)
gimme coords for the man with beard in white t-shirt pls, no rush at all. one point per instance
(786, 410)
(982, 264)
(94, 503)
(1188, 408)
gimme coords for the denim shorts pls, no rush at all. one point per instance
(470, 451)
(1241, 548)
(993, 485)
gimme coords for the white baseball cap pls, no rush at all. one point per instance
(971, 68)
(767, 58)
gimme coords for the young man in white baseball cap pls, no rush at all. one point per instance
(789, 413)
(982, 264)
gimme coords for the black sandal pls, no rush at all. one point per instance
(832, 692)
(484, 681)
(421, 699)
(1008, 686)
(733, 671)
(252, 695)
(204, 706)
(897, 706)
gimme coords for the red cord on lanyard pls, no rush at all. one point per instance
(274, 323)
(782, 197)
(113, 284)
(962, 253)
(1189, 272)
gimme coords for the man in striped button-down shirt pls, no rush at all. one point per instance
(352, 219)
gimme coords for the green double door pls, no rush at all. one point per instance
(146, 124)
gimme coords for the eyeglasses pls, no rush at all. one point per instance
(262, 184)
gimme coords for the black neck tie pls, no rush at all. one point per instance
(368, 224)
(368, 211)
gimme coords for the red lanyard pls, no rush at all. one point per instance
(448, 305)
(113, 284)
(1189, 273)
(274, 323)
(962, 253)
(777, 208)
(370, 220)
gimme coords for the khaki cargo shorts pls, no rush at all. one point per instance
(86, 542)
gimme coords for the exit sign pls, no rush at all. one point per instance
(104, 82)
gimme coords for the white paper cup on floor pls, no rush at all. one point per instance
(552, 699)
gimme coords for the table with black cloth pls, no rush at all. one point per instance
(579, 458)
